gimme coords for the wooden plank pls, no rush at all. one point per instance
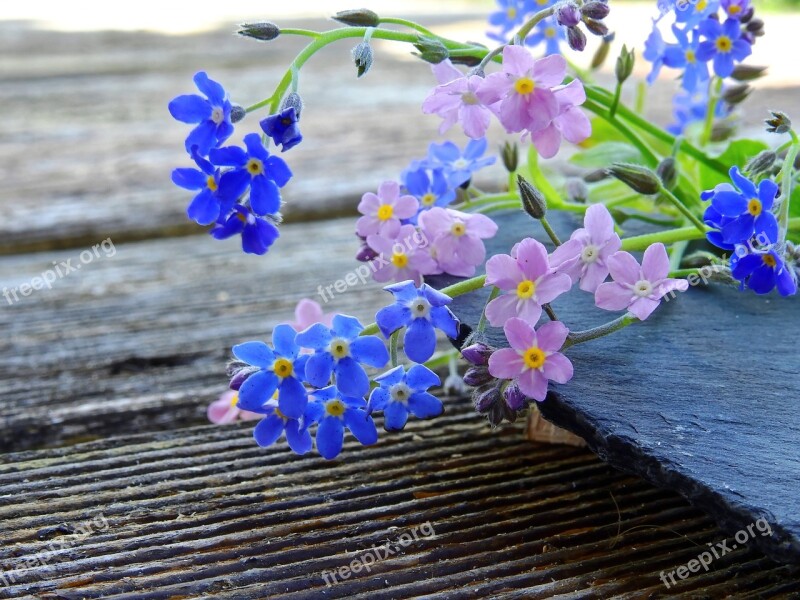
(205, 511)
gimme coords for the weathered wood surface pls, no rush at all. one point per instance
(206, 512)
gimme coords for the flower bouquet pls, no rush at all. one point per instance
(635, 217)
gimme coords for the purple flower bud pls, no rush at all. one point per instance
(514, 397)
(595, 9)
(485, 398)
(477, 376)
(366, 254)
(240, 377)
(568, 14)
(477, 354)
(576, 39)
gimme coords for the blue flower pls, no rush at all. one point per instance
(694, 11)
(335, 411)
(401, 393)
(748, 208)
(275, 423)
(549, 33)
(206, 206)
(280, 368)
(762, 270)
(212, 114)
(459, 166)
(691, 108)
(724, 43)
(511, 14)
(255, 169)
(429, 187)
(258, 233)
(715, 220)
(340, 351)
(654, 50)
(422, 310)
(684, 56)
(283, 128)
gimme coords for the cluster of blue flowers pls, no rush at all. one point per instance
(703, 39)
(434, 179)
(327, 384)
(743, 221)
(237, 189)
(512, 14)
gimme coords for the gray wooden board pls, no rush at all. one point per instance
(701, 398)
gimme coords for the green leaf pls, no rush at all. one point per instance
(736, 154)
(602, 131)
(603, 154)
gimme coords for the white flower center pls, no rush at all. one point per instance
(339, 348)
(217, 115)
(400, 392)
(461, 163)
(643, 288)
(420, 308)
(590, 254)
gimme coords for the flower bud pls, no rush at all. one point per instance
(467, 61)
(360, 17)
(509, 152)
(533, 201)
(736, 94)
(362, 56)
(263, 31)
(747, 15)
(240, 374)
(779, 123)
(756, 27)
(577, 190)
(576, 39)
(667, 172)
(477, 376)
(748, 72)
(601, 54)
(595, 176)
(293, 100)
(237, 113)
(596, 27)
(477, 354)
(485, 397)
(568, 14)
(761, 162)
(625, 61)
(595, 10)
(515, 399)
(638, 178)
(431, 50)
(366, 254)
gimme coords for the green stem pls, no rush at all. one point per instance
(641, 242)
(676, 256)
(522, 33)
(550, 232)
(685, 211)
(483, 320)
(786, 185)
(409, 24)
(615, 102)
(393, 347)
(580, 337)
(714, 88)
(303, 32)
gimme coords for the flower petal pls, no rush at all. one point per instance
(268, 430)
(330, 437)
(361, 426)
(257, 354)
(419, 341)
(424, 405)
(351, 379)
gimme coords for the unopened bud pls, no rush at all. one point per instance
(514, 397)
(721, 131)
(362, 56)
(601, 54)
(293, 100)
(360, 17)
(576, 39)
(477, 376)
(366, 254)
(638, 178)
(477, 354)
(533, 201)
(264, 31)
(747, 15)
(467, 61)
(484, 398)
(568, 14)
(595, 176)
(761, 162)
(237, 113)
(756, 27)
(667, 172)
(509, 152)
(748, 72)
(779, 123)
(625, 61)
(596, 27)
(431, 50)
(240, 374)
(736, 94)
(577, 190)
(595, 10)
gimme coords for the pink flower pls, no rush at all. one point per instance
(382, 212)
(457, 101)
(402, 256)
(528, 281)
(570, 121)
(638, 289)
(457, 238)
(533, 358)
(308, 313)
(445, 71)
(524, 89)
(586, 253)
(224, 410)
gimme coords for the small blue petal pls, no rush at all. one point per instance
(316, 337)
(257, 390)
(391, 377)
(283, 340)
(766, 228)
(434, 296)
(204, 208)
(787, 286)
(213, 90)
(420, 378)
(255, 148)
(190, 108)
(299, 439)
(395, 416)
(278, 170)
(189, 179)
(419, 340)
(369, 350)
(319, 368)
(346, 327)
(444, 320)
(292, 398)
(424, 405)
(767, 192)
(230, 156)
(257, 354)
(265, 199)
(392, 317)
(203, 136)
(405, 291)
(762, 280)
(268, 430)
(378, 399)
(361, 426)
(351, 379)
(739, 230)
(330, 436)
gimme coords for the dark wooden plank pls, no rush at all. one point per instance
(206, 512)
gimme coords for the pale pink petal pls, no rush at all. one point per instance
(552, 336)
(369, 205)
(471, 249)
(669, 285)
(221, 411)
(446, 246)
(599, 223)
(435, 221)
(558, 368)
(548, 71)
(571, 94)
(542, 109)
(624, 268)
(532, 258)
(475, 119)
(366, 226)
(529, 310)
(501, 309)
(445, 71)
(505, 364)
(307, 313)
(547, 141)
(533, 384)
(642, 308)
(388, 228)
(406, 207)
(520, 334)
(481, 226)
(566, 259)
(423, 263)
(574, 125)
(613, 296)
(655, 263)
(389, 191)
(593, 276)
(493, 88)
(502, 271)
(458, 267)
(519, 61)
(381, 245)
(551, 286)
(514, 113)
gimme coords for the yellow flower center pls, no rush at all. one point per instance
(385, 212)
(428, 199)
(458, 229)
(734, 9)
(511, 12)
(769, 260)
(279, 414)
(340, 348)
(542, 2)
(701, 5)
(255, 167)
(234, 399)
(335, 408)
(690, 56)
(534, 358)
(754, 207)
(525, 289)
(241, 217)
(524, 86)
(550, 32)
(211, 183)
(724, 44)
(283, 368)
(399, 260)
